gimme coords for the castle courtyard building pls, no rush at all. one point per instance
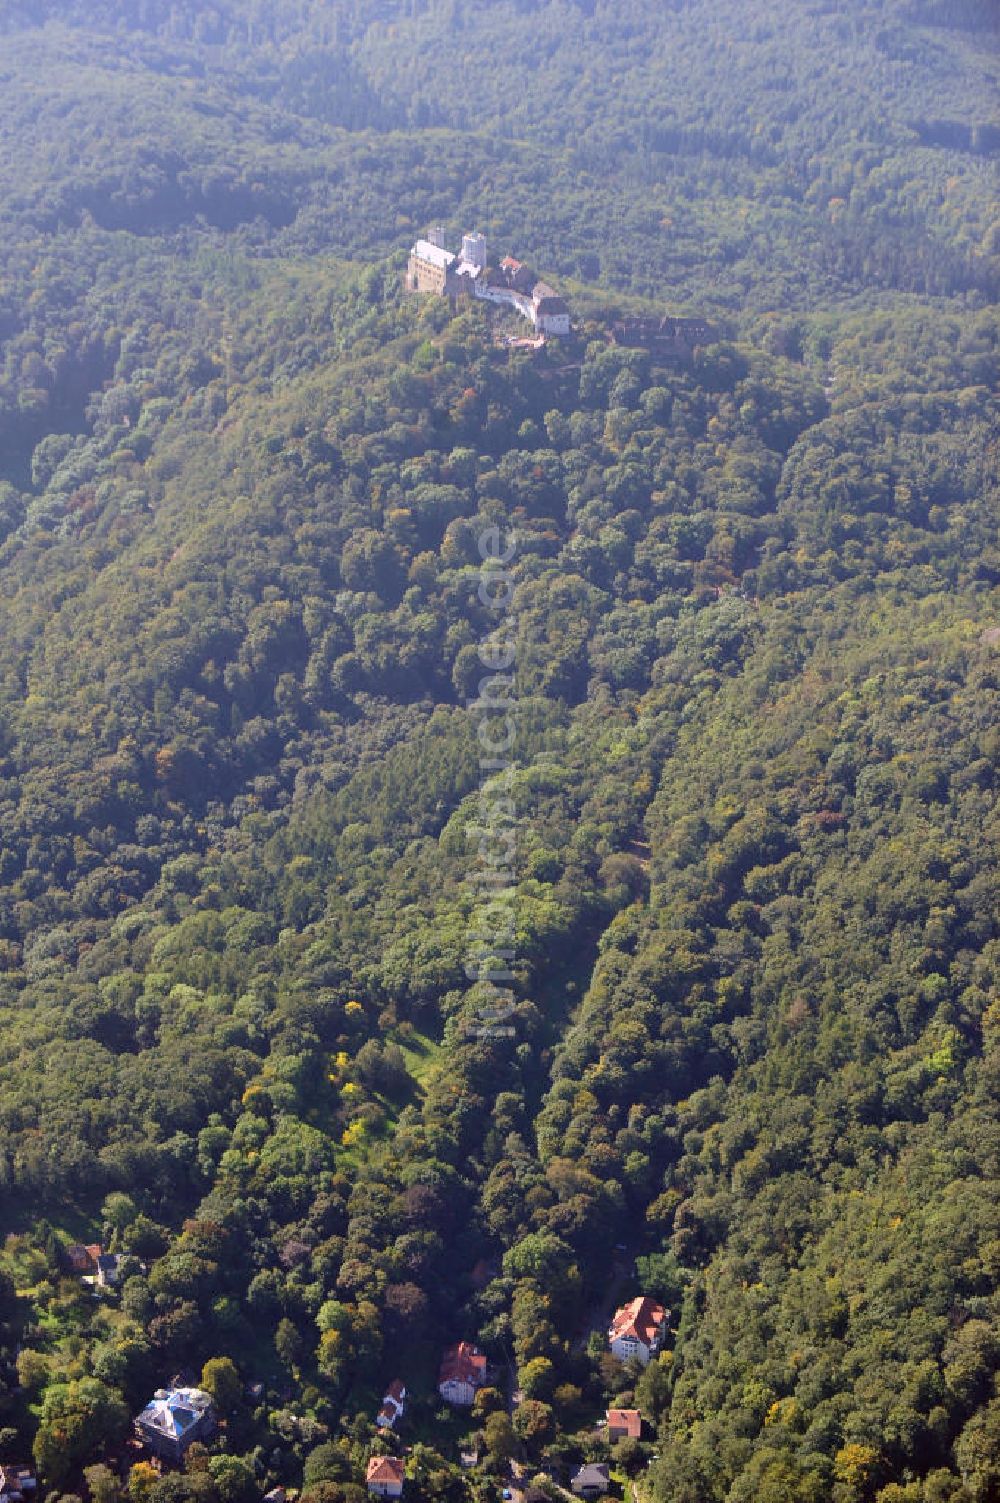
(429, 267)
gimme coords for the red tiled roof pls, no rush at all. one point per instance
(385, 1469)
(640, 1318)
(463, 1363)
(629, 1420)
(82, 1257)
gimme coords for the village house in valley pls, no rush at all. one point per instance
(434, 269)
(463, 1371)
(637, 1329)
(385, 1477)
(81, 1258)
(109, 1270)
(93, 1265)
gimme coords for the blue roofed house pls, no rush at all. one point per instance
(173, 1418)
(109, 1270)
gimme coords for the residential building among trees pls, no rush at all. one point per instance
(385, 1477)
(392, 1407)
(173, 1419)
(637, 1329)
(462, 1373)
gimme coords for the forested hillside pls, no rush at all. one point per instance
(751, 596)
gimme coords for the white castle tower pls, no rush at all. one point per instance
(474, 250)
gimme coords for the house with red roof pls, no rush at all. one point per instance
(515, 274)
(385, 1477)
(637, 1329)
(624, 1424)
(82, 1257)
(463, 1371)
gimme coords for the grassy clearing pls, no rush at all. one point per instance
(422, 1054)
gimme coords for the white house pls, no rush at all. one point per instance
(637, 1329)
(549, 313)
(393, 1404)
(109, 1270)
(463, 1371)
(173, 1418)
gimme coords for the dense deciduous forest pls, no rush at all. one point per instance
(753, 1058)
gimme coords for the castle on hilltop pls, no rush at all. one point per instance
(435, 269)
